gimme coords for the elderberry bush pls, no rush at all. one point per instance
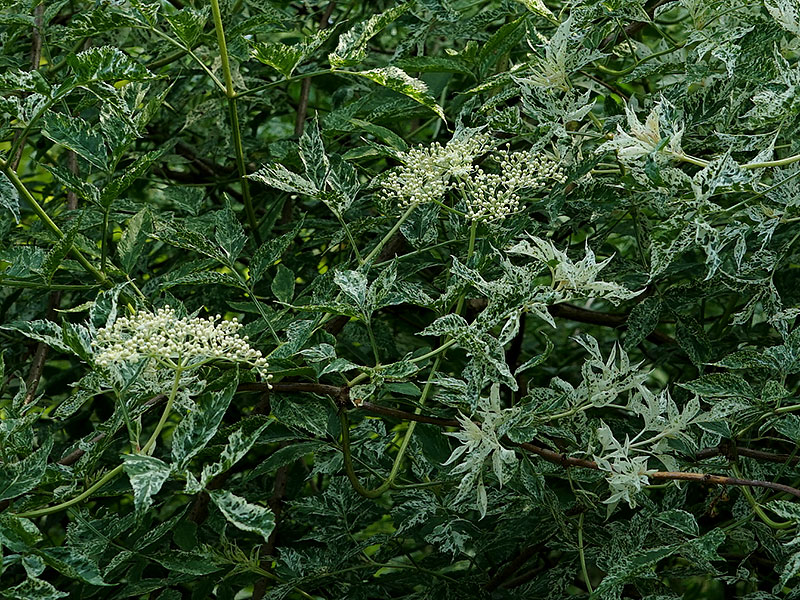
(458, 299)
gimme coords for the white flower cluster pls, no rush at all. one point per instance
(175, 342)
(492, 196)
(429, 172)
(426, 171)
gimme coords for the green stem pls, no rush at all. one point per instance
(692, 160)
(40, 286)
(408, 255)
(249, 286)
(398, 459)
(189, 51)
(373, 343)
(241, 165)
(411, 426)
(773, 163)
(438, 352)
(88, 492)
(757, 508)
(146, 449)
(266, 86)
(348, 463)
(349, 238)
(104, 241)
(391, 233)
(420, 358)
(165, 60)
(473, 228)
(150, 445)
(40, 212)
(433, 352)
(447, 208)
(584, 570)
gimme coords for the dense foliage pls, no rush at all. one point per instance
(425, 299)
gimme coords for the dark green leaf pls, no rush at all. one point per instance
(352, 45)
(188, 23)
(32, 589)
(281, 57)
(720, 385)
(59, 252)
(106, 63)
(270, 251)
(199, 426)
(229, 233)
(9, 197)
(642, 321)
(132, 242)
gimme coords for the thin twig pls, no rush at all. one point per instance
(732, 452)
(36, 58)
(511, 568)
(305, 88)
(606, 319)
(633, 28)
(40, 355)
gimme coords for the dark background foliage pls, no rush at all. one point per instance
(228, 159)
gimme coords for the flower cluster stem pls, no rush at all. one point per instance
(88, 492)
(398, 459)
(146, 449)
(390, 234)
(150, 444)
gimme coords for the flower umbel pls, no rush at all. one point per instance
(493, 196)
(429, 172)
(175, 342)
(426, 171)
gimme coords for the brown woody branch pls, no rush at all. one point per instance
(512, 567)
(591, 317)
(731, 452)
(605, 319)
(36, 57)
(552, 456)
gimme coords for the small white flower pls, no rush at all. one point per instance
(494, 196)
(175, 342)
(429, 172)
